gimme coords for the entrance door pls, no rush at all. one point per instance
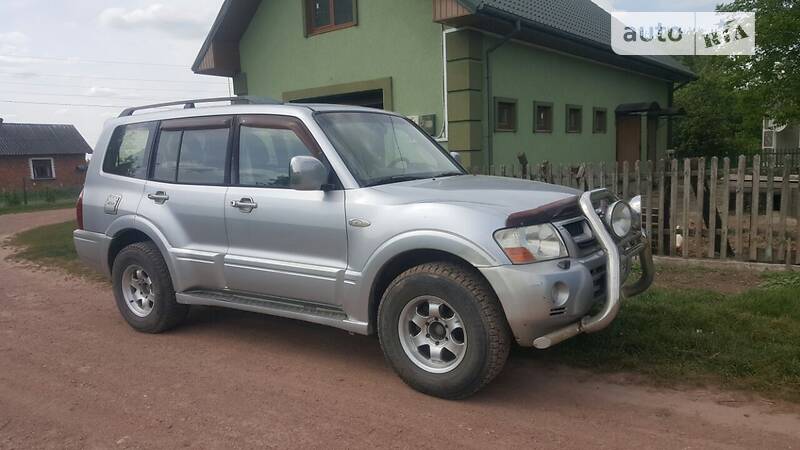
(283, 243)
(629, 139)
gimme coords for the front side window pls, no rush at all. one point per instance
(127, 151)
(329, 15)
(381, 148)
(265, 154)
(42, 169)
(191, 156)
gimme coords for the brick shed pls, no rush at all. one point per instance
(42, 156)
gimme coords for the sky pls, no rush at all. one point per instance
(82, 61)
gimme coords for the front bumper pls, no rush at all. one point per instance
(549, 302)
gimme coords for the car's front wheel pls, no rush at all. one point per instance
(442, 329)
(143, 289)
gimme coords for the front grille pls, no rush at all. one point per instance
(578, 236)
(599, 281)
(558, 311)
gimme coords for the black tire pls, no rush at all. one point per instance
(484, 323)
(166, 312)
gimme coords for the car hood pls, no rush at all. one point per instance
(503, 194)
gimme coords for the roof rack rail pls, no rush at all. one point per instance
(190, 104)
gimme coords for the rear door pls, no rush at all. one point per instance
(283, 243)
(185, 197)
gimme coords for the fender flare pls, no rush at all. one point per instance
(131, 222)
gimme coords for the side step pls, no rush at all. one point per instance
(330, 315)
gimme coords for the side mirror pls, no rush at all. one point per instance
(307, 173)
(456, 156)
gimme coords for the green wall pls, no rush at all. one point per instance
(530, 74)
(396, 39)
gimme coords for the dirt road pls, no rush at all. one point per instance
(74, 375)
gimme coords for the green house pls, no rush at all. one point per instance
(489, 79)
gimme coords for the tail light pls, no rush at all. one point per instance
(79, 211)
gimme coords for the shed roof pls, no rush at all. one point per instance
(28, 139)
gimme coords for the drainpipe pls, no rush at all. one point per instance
(489, 96)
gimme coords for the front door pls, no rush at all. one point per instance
(283, 243)
(185, 198)
(629, 138)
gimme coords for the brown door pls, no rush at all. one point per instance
(629, 138)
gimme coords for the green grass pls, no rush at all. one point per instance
(59, 204)
(51, 246)
(747, 341)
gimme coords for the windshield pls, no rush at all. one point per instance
(381, 148)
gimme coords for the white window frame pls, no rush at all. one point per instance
(52, 168)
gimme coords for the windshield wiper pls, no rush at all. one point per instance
(448, 174)
(394, 179)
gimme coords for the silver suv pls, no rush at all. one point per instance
(354, 218)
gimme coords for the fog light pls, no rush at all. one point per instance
(560, 294)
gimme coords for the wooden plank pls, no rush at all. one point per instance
(770, 205)
(755, 193)
(785, 202)
(660, 168)
(615, 179)
(625, 179)
(637, 167)
(603, 184)
(740, 207)
(698, 230)
(687, 190)
(648, 198)
(590, 176)
(673, 206)
(712, 208)
(725, 210)
(797, 219)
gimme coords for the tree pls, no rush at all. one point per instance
(772, 75)
(720, 120)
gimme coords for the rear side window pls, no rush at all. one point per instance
(191, 156)
(128, 150)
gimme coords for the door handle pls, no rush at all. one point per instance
(246, 204)
(159, 197)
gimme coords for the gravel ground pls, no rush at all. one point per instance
(74, 375)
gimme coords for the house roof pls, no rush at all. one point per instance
(579, 27)
(578, 20)
(27, 139)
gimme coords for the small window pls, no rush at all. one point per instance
(543, 119)
(600, 121)
(128, 149)
(265, 154)
(329, 15)
(574, 119)
(191, 156)
(505, 111)
(42, 169)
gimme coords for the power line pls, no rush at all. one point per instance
(95, 61)
(121, 97)
(62, 104)
(23, 83)
(42, 74)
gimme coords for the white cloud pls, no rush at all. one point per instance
(13, 43)
(97, 91)
(179, 22)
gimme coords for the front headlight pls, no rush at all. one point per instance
(619, 219)
(531, 244)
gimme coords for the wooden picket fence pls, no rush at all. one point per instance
(747, 209)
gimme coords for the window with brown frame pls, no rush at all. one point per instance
(600, 121)
(543, 117)
(329, 15)
(574, 119)
(505, 114)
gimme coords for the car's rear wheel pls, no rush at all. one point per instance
(442, 329)
(143, 289)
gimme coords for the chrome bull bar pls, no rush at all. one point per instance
(614, 292)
